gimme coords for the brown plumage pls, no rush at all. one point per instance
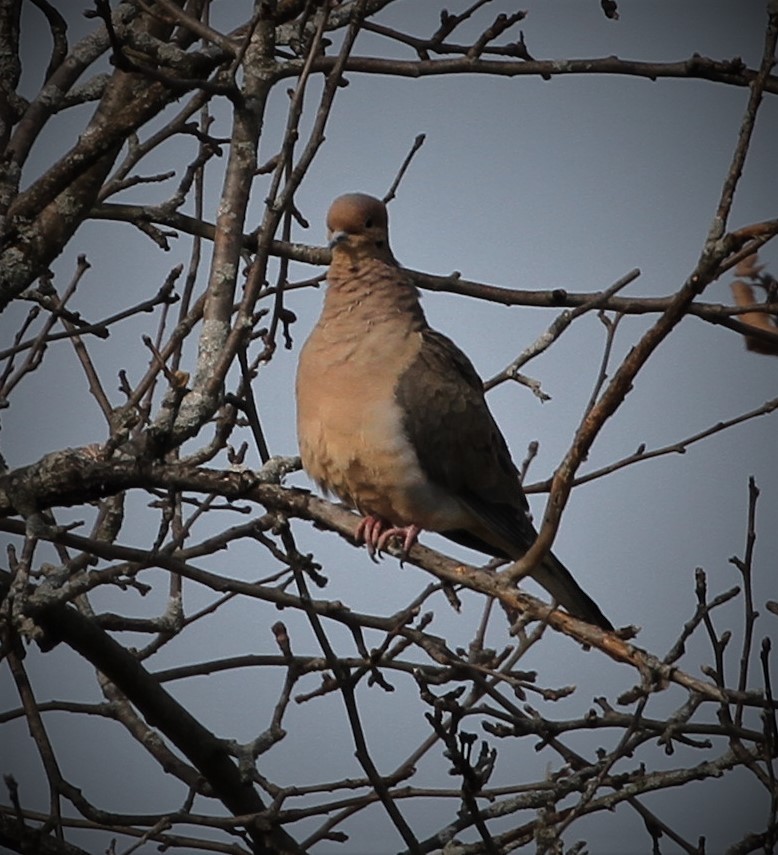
(392, 419)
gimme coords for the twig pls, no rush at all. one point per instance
(745, 567)
(679, 447)
(559, 325)
(392, 191)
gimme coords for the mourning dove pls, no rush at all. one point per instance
(392, 418)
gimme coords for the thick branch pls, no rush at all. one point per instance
(71, 477)
(160, 710)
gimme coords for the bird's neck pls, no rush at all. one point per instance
(365, 292)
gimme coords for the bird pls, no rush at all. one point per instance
(392, 417)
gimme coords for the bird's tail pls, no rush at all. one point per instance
(557, 580)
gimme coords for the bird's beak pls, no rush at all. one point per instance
(337, 238)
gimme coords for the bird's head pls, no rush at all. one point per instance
(358, 225)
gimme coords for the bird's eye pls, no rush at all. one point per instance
(369, 223)
(379, 243)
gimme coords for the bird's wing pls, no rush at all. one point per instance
(460, 448)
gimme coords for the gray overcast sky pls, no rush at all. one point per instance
(521, 183)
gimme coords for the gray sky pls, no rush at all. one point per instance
(521, 183)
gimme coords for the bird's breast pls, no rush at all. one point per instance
(350, 427)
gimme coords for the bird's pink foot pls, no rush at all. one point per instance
(376, 533)
(408, 533)
(369, 530)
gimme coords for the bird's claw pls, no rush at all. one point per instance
(369, 530)
(376, 533)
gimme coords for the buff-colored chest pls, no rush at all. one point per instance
(350, 429)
